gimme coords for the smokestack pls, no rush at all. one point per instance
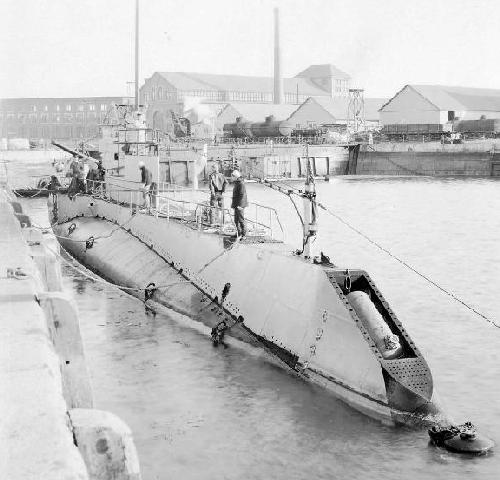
(278, 81)
(136, 54)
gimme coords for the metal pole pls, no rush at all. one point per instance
(136, 54)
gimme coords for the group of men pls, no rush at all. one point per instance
(217, 183)
(85, 178)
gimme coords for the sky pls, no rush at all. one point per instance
(71, 48)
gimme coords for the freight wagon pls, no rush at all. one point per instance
(484, 126)
(434, 131)
(411, 131)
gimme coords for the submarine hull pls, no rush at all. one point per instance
(269, 298)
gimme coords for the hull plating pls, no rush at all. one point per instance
(293, 307)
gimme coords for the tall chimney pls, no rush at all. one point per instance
(278, 81)
(136, 54)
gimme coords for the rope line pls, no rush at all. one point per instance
(405, 264)
(87, 273)
(46, 229)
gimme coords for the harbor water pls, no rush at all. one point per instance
(199, 412)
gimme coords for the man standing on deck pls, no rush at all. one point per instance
(76, 173)
(239, 203)
(146, 179)
(217, 182)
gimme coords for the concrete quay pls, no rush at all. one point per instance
(48, 426)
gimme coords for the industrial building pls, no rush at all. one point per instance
(179, 92)
(57, 118)
(439, 105)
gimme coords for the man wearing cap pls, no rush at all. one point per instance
(217, 187)
(146, 179)
(239, 203)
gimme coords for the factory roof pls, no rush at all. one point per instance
(234, 83)
(257, 112)
(456, 98)
(325, 70)
(337, 107)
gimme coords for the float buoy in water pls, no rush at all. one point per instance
(460, 439)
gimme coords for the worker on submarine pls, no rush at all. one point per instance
(239, 203)
(146, 179)
(76, 172)
(217, 183)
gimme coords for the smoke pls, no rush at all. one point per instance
(197, 111)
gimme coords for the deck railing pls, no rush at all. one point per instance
(189, 206)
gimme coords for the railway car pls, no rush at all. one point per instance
(483, 126)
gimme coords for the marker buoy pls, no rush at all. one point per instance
(460, 439)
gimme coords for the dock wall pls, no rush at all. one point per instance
(456, 163)
(48, 427)
(257, 160)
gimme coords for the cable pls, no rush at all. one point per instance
(405, 264)
(91, 276)
(83, 241)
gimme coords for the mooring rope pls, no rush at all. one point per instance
(88, 274)
(46, 229)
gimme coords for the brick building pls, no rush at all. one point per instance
(54, 118)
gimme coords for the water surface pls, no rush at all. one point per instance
(198, 412)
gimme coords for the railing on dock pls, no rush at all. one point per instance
(174, 202)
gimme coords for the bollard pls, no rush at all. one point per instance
(64, 328)
(106, 445)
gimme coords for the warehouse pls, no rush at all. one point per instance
(179, 92)
(338, 109)
(440, 105)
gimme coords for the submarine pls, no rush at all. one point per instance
(330, 325)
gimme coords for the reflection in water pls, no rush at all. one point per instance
(199, 412)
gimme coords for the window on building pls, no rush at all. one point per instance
(58, 108)
(80, 108)
(103, 107)
(146, 98)
(451, 115)
(92, 108)
(160, 93)
(153, 94)
(33, 108)
(68, 108)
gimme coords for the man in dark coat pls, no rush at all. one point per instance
(239, 203)
(146, 180)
